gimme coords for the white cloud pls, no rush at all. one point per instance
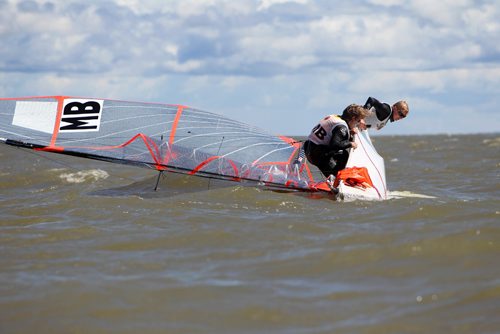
(444, 12)
(387, 3)
(304, 56)
(265, 4)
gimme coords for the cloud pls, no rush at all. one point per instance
(234, 40)
(266, 4)
(314, 56)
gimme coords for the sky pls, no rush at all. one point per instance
(278, 64)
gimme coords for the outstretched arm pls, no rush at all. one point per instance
(383, 110)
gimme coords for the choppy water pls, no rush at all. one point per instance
(88, 247)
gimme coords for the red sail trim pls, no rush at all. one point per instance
(288, 140)
(145, 138)
(236, 170)
(28, 98)
(55, 149)
(174, 125)
(309, 173)
(57, 123)
(294, 153)
(293, 143)
(150, 145)
(209, 160)
(202, 164)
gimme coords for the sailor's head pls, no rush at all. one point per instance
(399, 110)
(354, 114)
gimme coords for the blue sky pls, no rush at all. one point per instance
(277, 64)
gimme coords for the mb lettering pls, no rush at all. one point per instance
(81, 116)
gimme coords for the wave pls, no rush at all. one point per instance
(406, 194)
(91, 175)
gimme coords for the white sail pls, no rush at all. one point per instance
(365, 155)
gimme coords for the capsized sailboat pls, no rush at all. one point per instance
(178, 139)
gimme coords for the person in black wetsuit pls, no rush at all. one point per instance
(327, 146)
(381, 113)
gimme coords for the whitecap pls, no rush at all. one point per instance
(401, 194)
(91, 175)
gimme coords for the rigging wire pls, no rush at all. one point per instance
(218, 151)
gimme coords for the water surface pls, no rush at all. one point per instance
(89, 247)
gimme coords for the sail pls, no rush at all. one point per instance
(365, 156)
(165, 137)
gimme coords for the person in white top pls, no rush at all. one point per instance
(381, 113)
(327, 146)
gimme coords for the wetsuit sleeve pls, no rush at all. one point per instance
(340, 139)
(383, 110)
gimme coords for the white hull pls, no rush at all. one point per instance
(365, 155)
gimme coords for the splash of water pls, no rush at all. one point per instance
(406, 194)
(91, 175)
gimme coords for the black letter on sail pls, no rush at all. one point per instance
(81, 116)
